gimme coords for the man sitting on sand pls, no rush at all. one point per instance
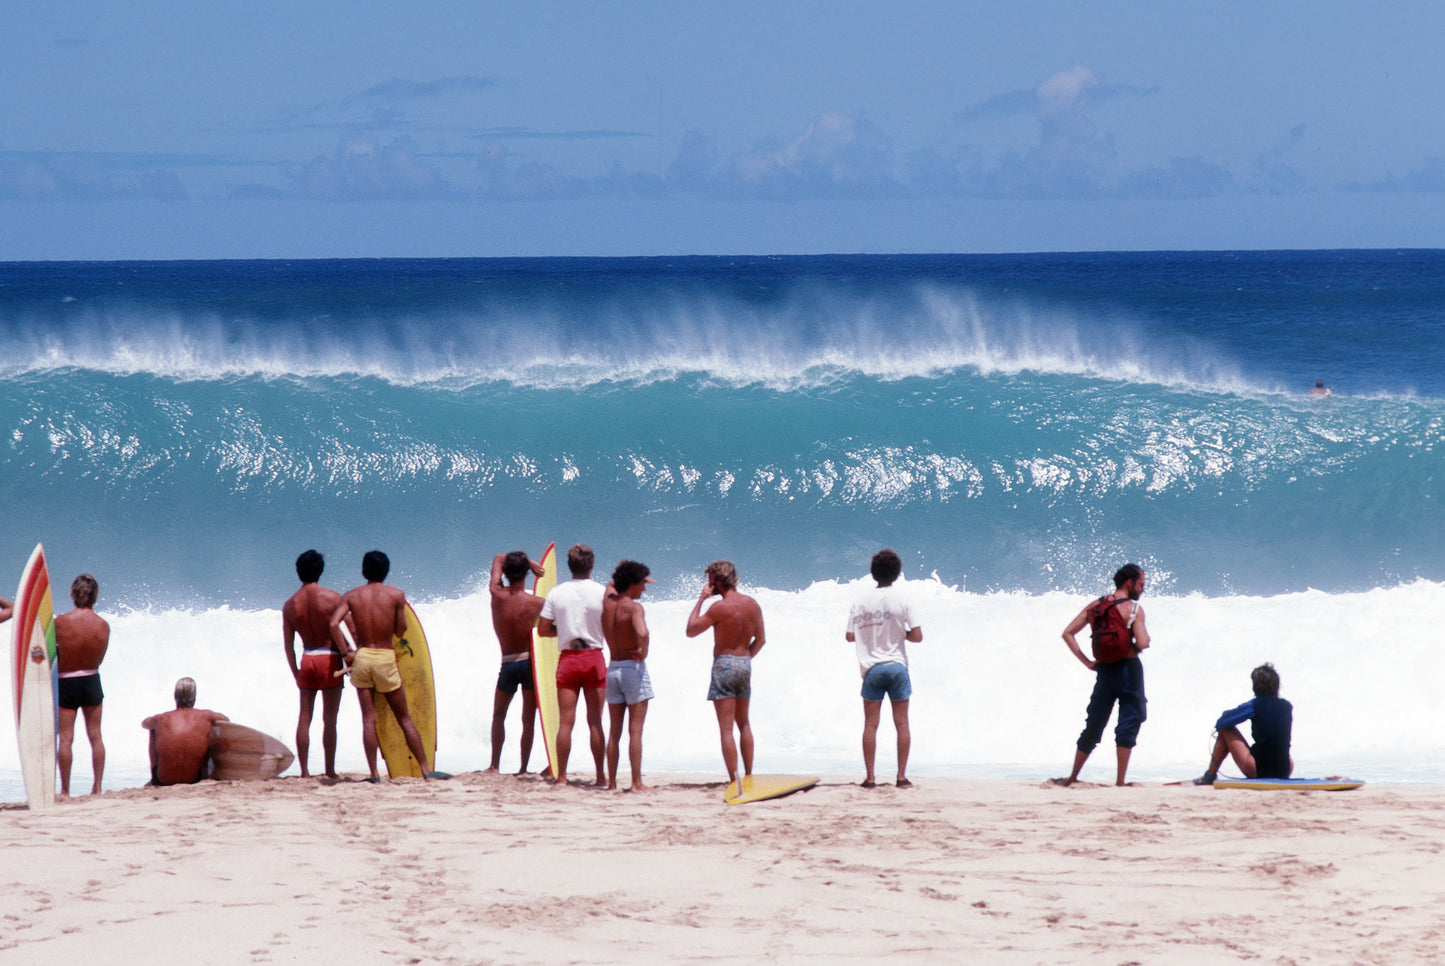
(180, 742)
(737, 624)
(1270, 717)
(628, 686)
(308, 614)
(514, 615)
(375, 612)
(879, 623)
(81, 639)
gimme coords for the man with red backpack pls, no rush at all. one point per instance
(1116, 623)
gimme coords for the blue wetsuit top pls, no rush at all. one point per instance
(1270, 721)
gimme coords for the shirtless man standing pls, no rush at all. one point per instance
(81, 639)
(308, 613)
(514, 615)
(180, 740)
(737, 624)
(572, 614)
(628, 686)
(376, 611)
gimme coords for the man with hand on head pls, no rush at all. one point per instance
(572, 614)
(737, 625)
(879, 623)
(514, 615)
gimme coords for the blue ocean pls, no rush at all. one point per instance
(1016, 426)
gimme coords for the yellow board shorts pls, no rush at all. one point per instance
(375, 667)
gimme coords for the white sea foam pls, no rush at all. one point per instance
(815, 339)
(996, 692)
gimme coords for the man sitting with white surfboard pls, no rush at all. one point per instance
(180, 740)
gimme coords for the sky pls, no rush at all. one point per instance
(173, 129)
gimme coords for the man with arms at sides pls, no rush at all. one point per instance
(81, 639)
(737, 625)
(514, 615)
(879, 623)
(629, 687)
(1116, 623)
(180, 741)
(572, 614)
(1271, 719)
(308, 613)
(374, 612)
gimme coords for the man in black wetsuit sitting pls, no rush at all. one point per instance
(1270, 717)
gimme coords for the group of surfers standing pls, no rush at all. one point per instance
(351, 635)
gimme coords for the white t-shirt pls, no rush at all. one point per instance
(879, 620)
(576, 608)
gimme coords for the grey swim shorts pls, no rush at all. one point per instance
(732, 677)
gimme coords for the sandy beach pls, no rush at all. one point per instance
(496, 869)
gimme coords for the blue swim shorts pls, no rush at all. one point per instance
(732, 677)
(628, 683)
(515, 674)
(889, 678)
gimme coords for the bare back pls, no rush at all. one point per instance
(514, 614)
(624, 626)
(379, 611)
(182, 740)
(81, 639)
(737, 625)
(308, 615)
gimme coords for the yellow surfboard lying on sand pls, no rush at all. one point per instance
(544, 664)
(756, 788)
(413, 660)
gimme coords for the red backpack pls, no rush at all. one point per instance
(1112, 632)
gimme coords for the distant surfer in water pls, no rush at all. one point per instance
(629, 688)
(81, 640)
(308, 613)
(374, 612)
(737, 624)
(1320, 389)
(879, 623)
(572, 613)
(1116, 623)
(514, 614)
(180, 741)
(1270, 717)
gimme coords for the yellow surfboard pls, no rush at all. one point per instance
(756, 788)
(413, 660)
(544, 664)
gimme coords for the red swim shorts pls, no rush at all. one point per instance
(582, 669)
(318, 670)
